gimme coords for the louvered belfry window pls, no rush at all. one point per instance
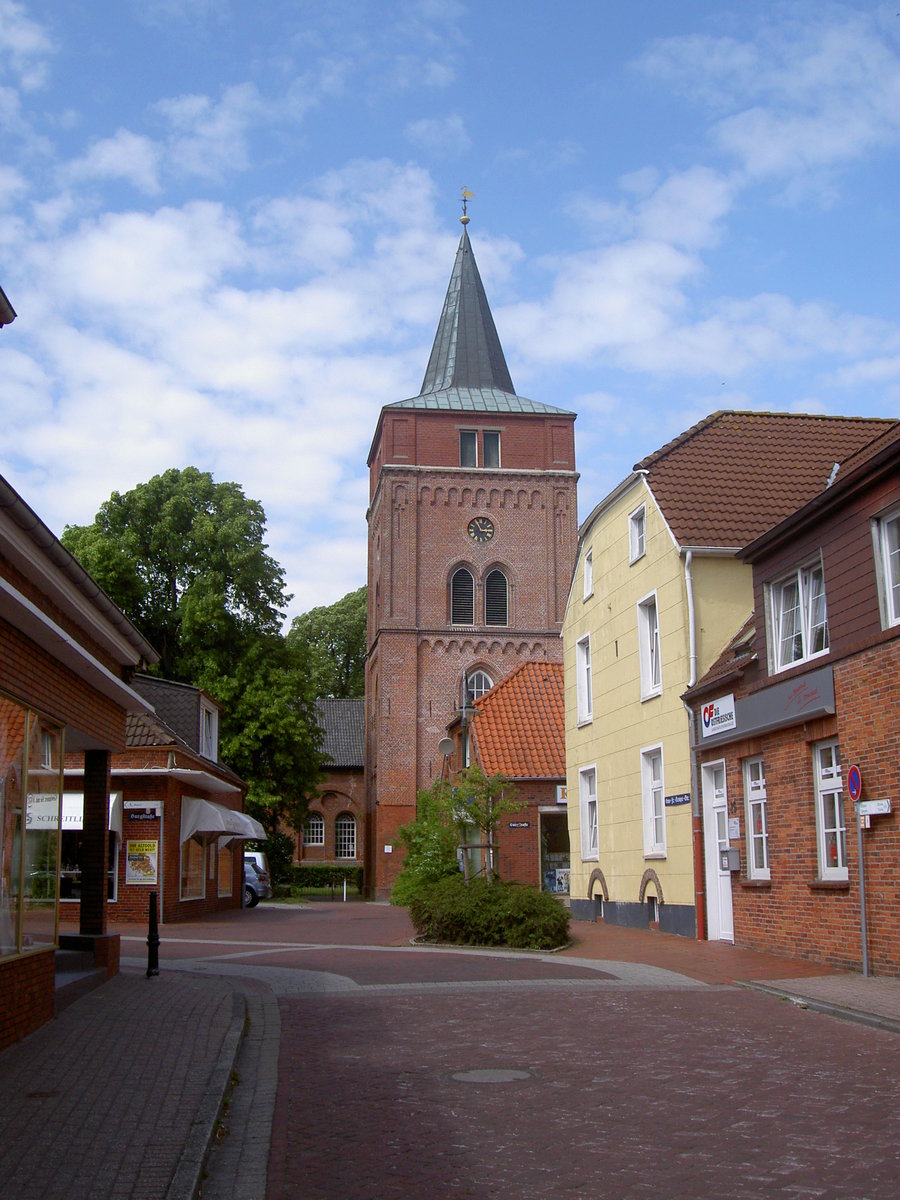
(496, 603)
(462, 598)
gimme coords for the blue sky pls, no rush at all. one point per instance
(227, 229)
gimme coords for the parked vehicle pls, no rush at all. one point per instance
(259, 858)
(257, 885)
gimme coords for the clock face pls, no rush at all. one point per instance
(481, 529)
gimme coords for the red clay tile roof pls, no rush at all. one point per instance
(520, 727)
(734, 475)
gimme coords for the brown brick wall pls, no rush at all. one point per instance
(26, 995)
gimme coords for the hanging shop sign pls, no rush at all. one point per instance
(718, 715)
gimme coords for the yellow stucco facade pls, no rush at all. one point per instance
(628, 749)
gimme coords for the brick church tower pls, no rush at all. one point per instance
(472, 536)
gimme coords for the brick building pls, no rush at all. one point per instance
(518, 730)
(807, 689)
(472, 531)
(176, 825)
(335, 828)
(67, 656)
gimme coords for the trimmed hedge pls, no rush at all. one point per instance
(308, 875)
(489, 914)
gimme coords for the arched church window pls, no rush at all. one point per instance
(314, 830)
(345, 836)
(462, 598)
(496, 599)
(477, 683)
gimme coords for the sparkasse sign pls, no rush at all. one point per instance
(718, 715)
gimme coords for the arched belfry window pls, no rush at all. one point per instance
(462, 597)
(496, 599)
(477, 683)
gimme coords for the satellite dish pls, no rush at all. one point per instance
(446, 746)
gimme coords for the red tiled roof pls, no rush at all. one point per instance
(734, 475)
(520, 727)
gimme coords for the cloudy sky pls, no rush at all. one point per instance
(227, 228)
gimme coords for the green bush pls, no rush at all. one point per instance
(279, 850)
(489, 914)
(322, 875)
(430, 843)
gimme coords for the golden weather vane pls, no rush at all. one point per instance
(466, 197)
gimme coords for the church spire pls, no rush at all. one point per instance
(466, 351)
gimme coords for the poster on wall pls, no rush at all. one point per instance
(141, 862)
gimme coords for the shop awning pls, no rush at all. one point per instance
(42, 809)
(204, 816)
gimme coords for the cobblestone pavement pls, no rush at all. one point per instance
(316, 1053)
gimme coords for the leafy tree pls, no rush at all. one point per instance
(430, 842)
(184, 558)
(477, 802)
(335, 636)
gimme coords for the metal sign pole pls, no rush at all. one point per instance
(862, 895)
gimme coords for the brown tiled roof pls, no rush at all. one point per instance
(142, 729)
(734, 475)
(520, 727)
(737, 656)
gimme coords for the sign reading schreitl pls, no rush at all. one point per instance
(718, 715)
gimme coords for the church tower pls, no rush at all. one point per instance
(472, 537)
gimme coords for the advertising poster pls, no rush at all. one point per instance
(141, 862)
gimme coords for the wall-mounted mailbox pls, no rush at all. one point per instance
(730, 859)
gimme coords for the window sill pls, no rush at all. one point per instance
(584, 721)
(829, 885)
(654, 855)
(645, 696)
(759, 885)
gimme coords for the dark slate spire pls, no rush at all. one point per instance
(466, 351)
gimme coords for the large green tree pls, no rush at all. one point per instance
(334, 637)
(184, 558)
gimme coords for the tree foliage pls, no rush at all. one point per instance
(185, 560)
(430, 842)
(335, 638)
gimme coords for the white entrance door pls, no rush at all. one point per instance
(719, 914)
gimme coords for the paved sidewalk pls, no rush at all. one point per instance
(122, 1095)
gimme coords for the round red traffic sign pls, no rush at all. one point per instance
(854, 783)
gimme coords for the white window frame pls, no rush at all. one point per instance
(653, 803)
(588, 573)
(797, 625)
(757, 818)
(492, 434)
(587, 807)
(209, 731)
(319, 838)
(886, 530)
(637, 533)
(477, 683)
(584, 683)
(649, 646)
(347, 820)
(831, 825)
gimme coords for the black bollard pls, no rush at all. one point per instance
(153, 940)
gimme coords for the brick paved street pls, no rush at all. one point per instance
(694, 1093)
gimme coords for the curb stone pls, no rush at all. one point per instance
(860, 1017)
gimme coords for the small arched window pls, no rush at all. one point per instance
(345, 836)
(496, 599)
(462, 598)
(477, 683)
(314, 830)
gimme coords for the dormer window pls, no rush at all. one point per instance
(209, 732)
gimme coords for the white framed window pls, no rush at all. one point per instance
(209, 732)
(798, 618)
(831, 832)
(757, 819)
(345, 836)
(587, 802)
(654, 804)
(637, 534)
(462, 598)
(314, 830)
(584, 687)
(887, 544)
(496, 599)
(477, 683)
(490, 445)
(468, 448)
(649, 647)
(588, 573)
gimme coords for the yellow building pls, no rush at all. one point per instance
(657, 593)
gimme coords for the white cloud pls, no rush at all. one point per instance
(24, 46)
(12, 186)
(125, 155)
(210, 139)
(440, 135)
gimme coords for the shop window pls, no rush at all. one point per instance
(314, 830)
(345, 836)
(193, 856)
(226, 869)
